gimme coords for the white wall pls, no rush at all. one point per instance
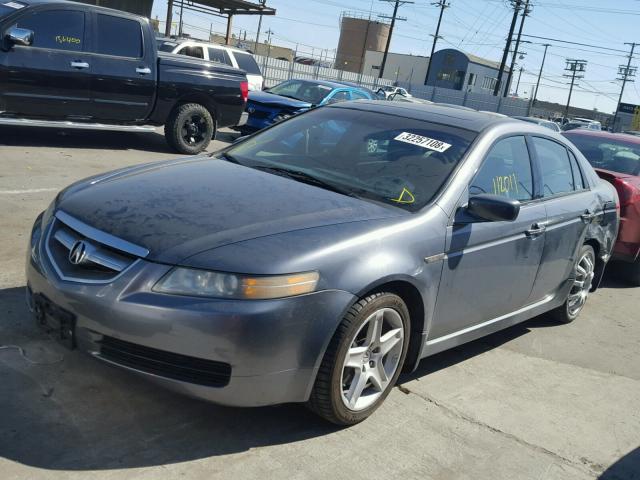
(408, 68)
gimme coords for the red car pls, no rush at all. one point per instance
(616, 159)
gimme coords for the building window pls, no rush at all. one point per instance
(472, 79)
(489, 83)
(446, 75)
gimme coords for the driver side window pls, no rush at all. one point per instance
(506, 171)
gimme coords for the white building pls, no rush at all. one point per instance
(399, 67)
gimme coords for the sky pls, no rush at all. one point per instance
(479, 27)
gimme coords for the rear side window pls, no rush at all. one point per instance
(356, 95)
(119, 36)
(247, 63)
(341, 96)
(56, 29)
(219, 55)
(555, 167)
(578, 180)
(192, 51)
(506, 171)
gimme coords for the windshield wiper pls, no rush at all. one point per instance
(304, 177)
(227, 157)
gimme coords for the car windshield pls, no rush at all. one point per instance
(608, 153)
(165, 46)
(384, 158)
(310, 92)
(8, 8)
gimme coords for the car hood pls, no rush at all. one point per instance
(181, 208)
(271, 99)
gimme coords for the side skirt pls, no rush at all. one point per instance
(474, 332)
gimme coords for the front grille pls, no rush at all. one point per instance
(98, 263)
(165, 364)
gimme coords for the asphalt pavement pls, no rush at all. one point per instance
(536, 401)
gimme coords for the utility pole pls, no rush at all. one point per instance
(625, 74)
(577, 68)
(519, 77)
(525, 13)
(181, 12)
(516, 10)
(535, 93)
(255, 46)
(167, 26)
(442, 4)
(394, 17)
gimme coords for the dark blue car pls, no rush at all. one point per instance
(295, 96)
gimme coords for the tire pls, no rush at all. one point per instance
(584, 272)
(189, 128)
(347, 394)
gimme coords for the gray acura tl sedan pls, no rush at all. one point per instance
(315, 260)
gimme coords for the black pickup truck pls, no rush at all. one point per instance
(68, 64)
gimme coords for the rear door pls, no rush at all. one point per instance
(51, 77)
(490, 267)
(570, 207)
(124, 68)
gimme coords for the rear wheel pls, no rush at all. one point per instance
(189, 128)
(584, 271)
(363, 360)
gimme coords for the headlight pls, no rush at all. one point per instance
(203, 283)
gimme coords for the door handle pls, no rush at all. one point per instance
(143, 70)
(80, 65)
(536, 230)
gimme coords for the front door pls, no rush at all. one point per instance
(51, 77)
(570, 208)
(491, 267)
(124, 81)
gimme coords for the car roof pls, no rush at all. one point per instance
(604, 135)
(436, 113)
(180, 41)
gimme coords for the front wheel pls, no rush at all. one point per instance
(583, 276)
(363, 360)
(189, 128)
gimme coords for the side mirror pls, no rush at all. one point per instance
(19, 36)
(493, 208)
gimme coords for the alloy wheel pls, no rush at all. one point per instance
(584, 273)
(372, 359)
(194, 129)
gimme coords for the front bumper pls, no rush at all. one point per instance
(273, 347)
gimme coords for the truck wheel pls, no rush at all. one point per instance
(583, 276)
(189, 128)
(363, 360)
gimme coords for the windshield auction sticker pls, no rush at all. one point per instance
(424, 142)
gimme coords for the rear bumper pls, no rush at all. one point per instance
(272, 348)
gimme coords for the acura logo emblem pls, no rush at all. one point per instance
(251, 109)
(78, 252)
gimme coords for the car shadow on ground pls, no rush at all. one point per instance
(83, 139)
(627, 468)
(79, 414)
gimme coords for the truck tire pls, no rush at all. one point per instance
(189, 128)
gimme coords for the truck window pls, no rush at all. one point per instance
(247, 63)
(219, 55)
(192, 51)
(119, 36)
(56, 29)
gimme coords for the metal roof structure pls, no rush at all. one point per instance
(219, 8)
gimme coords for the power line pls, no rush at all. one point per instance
(626, 74)
(576, 67)
(516, 10)
(525, 13)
